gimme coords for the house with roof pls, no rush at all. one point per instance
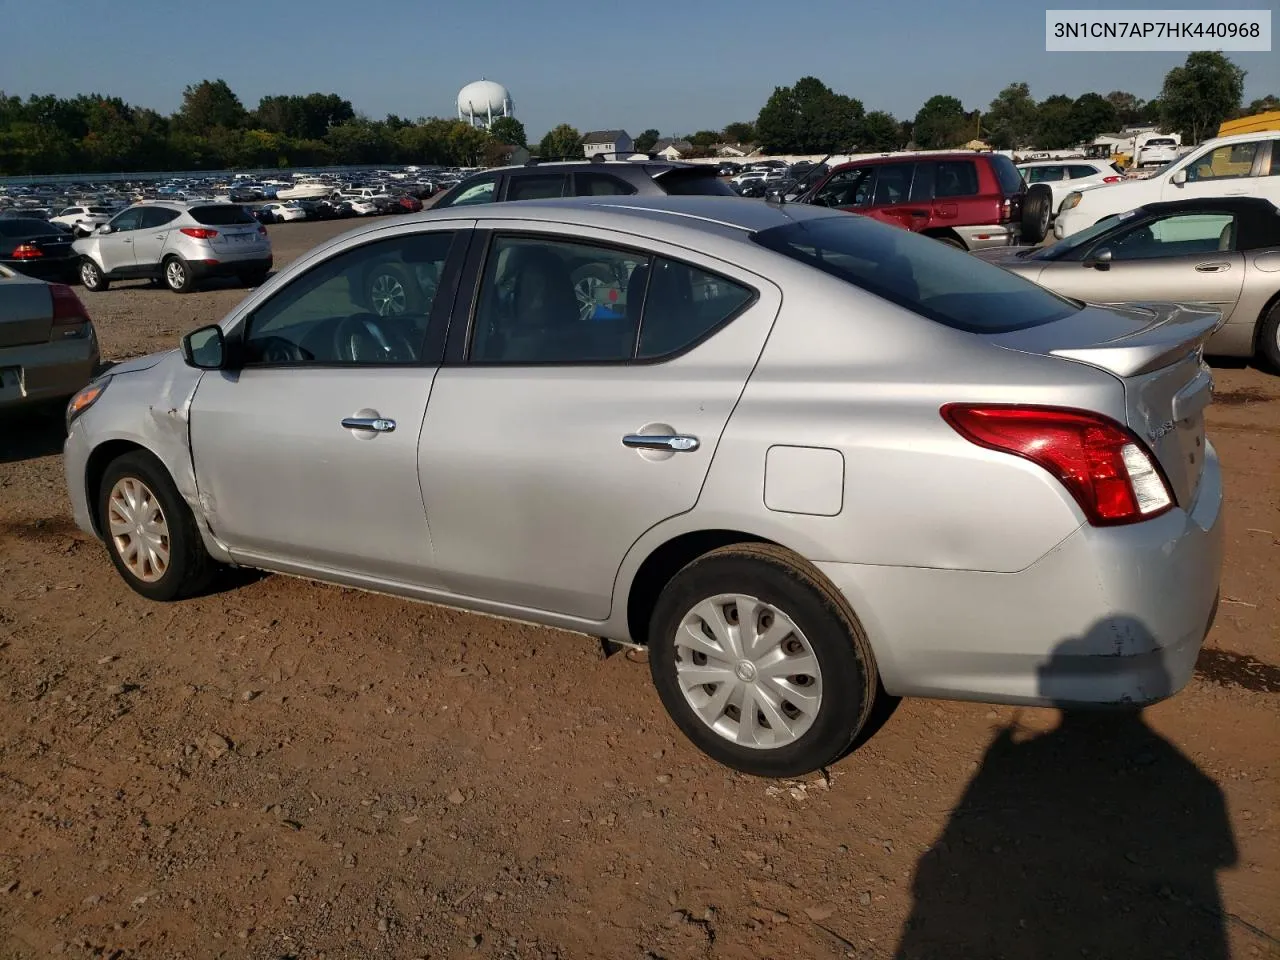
(735, 149)
(669, 149)
(607, 141)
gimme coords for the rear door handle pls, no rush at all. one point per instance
(378, 424)
(657, 441)
(1212, 267)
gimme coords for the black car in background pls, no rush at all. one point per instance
(38, 249)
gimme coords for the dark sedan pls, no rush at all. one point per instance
(37, 249)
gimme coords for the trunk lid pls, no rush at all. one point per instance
(1156, 351)
(26, 311)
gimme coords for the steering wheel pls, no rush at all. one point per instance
(366, 338)
(280, 350)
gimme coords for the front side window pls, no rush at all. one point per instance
(1180, 235)
(368, 305)
(846, 188)
(481, 192)
(129, 220)
(1224, 163)
(554, 301)
(539, 187)
(893, 183)
(944, 285)
(957, 178)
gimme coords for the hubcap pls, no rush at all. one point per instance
(88, 274)
(388, 295)
(175, 273)
(139, 531)
(748, 671)
(586, 289)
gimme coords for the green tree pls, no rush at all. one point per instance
(1054, 130)
(880, 132)
(1011, 118)
(1262, 105)
(808, 118)
(941, 123)
(561, 141)
(510, 131)
(743, 131)
(1199, 95)
(644, 143)
(209, 104)
(1091, 114)
(704, 138)
(1128, 108)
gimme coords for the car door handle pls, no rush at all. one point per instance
(1212, 267)
(658, 441)
(378, 424)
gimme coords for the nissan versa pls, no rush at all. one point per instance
(807, 459)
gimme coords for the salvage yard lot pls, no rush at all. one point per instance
(286, 769)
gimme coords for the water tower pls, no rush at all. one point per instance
(482, 102)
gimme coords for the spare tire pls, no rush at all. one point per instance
(1037, 210)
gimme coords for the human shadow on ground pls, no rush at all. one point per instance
(1098, 839)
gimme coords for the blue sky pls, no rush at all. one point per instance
(676, 66)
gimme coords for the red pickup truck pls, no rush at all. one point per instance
(969, 200)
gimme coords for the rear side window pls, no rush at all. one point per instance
(683, 304)
(222, 215)
(693, 183)
(541, 187)
(600, 185)
(1078, 171)
(958, 178)
(945, 285)
(1042, 174)
(157, 217)
(893, 182)
(1007, 174)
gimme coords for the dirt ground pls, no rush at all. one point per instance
(281, 769)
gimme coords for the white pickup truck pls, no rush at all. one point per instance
(1245, 165)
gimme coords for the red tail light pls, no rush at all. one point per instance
(1112, 179)
(26, 251)
(262, 230)
(200, 233)
(1105, 467)
(67, 308)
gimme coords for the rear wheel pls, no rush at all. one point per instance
(177, 275)
(149, 529)
(253, 278)
(390, 291)
(1269, 338)
(952, 242)
(760, 662)
(92, 277)
(1037, 211)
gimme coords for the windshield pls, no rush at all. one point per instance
(1063, 248)
(945, 285)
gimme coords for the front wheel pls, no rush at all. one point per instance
(149, 529)
(760, 662)
(92, 277)
(1269, 338)
(177, 275)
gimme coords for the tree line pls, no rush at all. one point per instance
(214, 130)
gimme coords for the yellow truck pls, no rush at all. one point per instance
(1254, 124)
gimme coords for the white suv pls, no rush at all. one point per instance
(1245, 165)
(83, 220)
(1064, 176)
(178, 243)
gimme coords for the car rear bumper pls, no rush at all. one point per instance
(225, 267)
(992, 235)
(47, 371)
(60, 270)
(1111, 616)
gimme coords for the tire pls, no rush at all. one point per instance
(822, 635)
(390, 290)
(1269, 338)
(254, 278)
(92, 277)
(131, 485)
(177, 275)
(952, 242)
(1037, 212)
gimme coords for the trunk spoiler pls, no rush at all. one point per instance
(1172, 331)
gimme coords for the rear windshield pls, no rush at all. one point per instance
(222, 215)
(1008, 175)
(26, 227)
(680, 182)
(929, 278)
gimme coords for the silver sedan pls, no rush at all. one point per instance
(1219, 251)
(807, 459)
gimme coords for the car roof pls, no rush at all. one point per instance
(913, 157)
(1058, 163)
(1241, 205)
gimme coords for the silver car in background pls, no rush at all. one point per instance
(1223, 252)
(807, 459)
(48, 347)
(178, 243)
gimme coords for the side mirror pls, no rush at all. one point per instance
(1179, 177)
(1100, 259)
(105, 228)
(205, 349)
